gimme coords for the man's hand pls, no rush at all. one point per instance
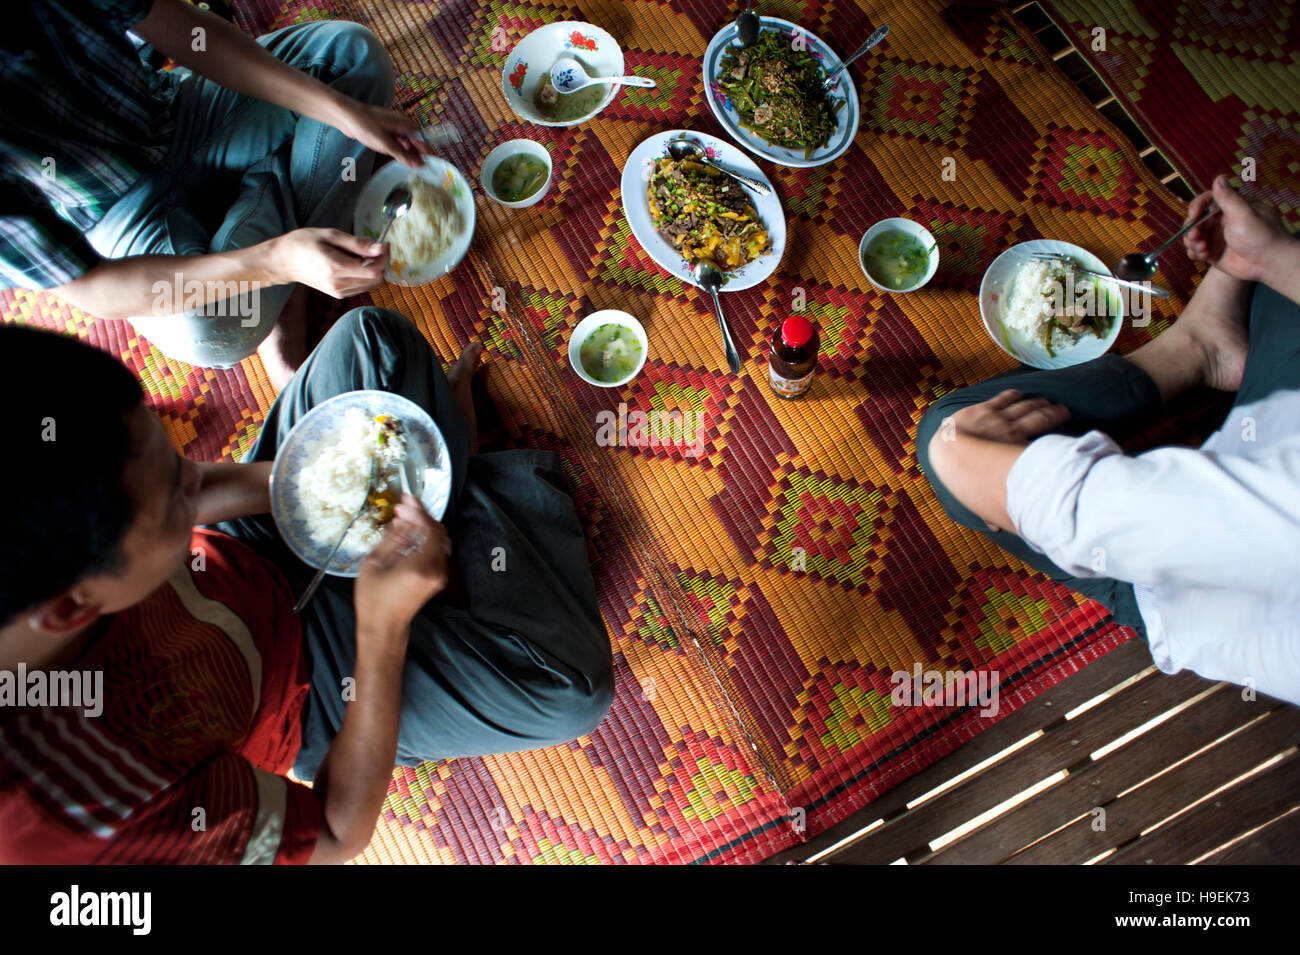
(1008, 417)
(404, 570)
(385, 131)
(329, 260)
(1242, 239)
(975, 448)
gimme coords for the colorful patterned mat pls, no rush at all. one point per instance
(1212, 82)
(753, 705)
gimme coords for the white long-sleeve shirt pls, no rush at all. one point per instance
(1209, 537)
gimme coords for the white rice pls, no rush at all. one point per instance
(334, 485)
(429, 228)
(1036, 291)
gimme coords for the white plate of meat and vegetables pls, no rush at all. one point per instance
(769, 97)
(684, 212)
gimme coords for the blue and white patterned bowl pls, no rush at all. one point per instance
(848, 115)
(321, 426)
(636, 208)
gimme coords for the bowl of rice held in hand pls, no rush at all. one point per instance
(321, 475)
(434, 235)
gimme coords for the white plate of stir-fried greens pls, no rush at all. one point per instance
(681, 213)
(769, 97)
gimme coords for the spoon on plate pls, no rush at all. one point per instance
(710, 279)
(681, 149)
(396, 204)
(872, 40)
(1140, 266)
(747, 25)
(569, 76)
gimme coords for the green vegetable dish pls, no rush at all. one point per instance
(896, 259)
(777, 92)
(610, 353)
(518, 177)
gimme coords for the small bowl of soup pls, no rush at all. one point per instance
(608, 348)
(517, 174)
(898, 255)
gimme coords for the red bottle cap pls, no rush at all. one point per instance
(796, 331)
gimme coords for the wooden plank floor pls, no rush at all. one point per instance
(1118, 764)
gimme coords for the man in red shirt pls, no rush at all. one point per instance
(212, 689)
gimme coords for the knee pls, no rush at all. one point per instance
(930, 424)
(580, 710)
(379, 326)
(359, 57)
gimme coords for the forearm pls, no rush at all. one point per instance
(1282, 269)
(230, 491)
(234, 60)
(353, 778)
(974, 470)
(167, 284)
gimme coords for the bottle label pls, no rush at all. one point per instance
(788, 387)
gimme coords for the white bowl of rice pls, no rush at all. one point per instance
(1023, 301)
(322, 472)
(434, 235)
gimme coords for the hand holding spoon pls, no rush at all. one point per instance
(569, 76)
(710, 280)
(681, 149)
(1140, 266)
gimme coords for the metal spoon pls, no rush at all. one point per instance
(872, 40)
(396, 205)
(681, 149)
(320, 574)
(569, 76)
(747, 25)
(1069, 263)
(1139, 266)
(710, 280)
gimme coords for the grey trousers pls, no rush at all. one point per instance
(1106, 394)
(518, 659)
(240, 171)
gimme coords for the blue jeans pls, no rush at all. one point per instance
(241, 171)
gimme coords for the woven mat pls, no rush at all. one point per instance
(1212, 82)
(753, 706)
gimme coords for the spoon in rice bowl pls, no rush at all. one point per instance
(396, 204)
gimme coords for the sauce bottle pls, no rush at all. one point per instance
(793, 357)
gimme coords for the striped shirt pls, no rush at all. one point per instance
(203, 688)
(82, 118)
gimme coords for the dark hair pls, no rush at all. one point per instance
(64, 503)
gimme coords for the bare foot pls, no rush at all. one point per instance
(461, 376)
(1206, 345)
(286, 347)
(1215, 319)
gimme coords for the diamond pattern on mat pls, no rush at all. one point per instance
(921, 101)
(995, 609)
(831, 528)
(699, 402)
(1083, 171)
(840, 708)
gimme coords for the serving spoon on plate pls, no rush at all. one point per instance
(569, 76)
(681, 149)
(872, 40)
